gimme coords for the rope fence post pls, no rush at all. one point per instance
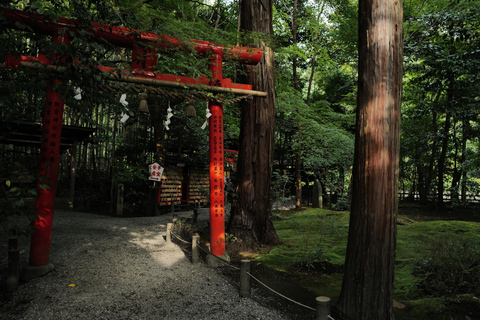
(169, 232)
(195, 215)
(120, 190)
(323, 308)
(195, 250)
(245, 279)
(13, 269)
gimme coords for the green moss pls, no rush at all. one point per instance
(322, 234)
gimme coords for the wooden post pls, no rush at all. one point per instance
(245, 279)
(73, 167)
(195, 216)
(195, 250)
(13, 269)
(169, 232)
(120, 189)
(317, 198)
(323, 308)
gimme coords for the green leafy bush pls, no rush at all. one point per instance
(16, 216)
(452, 267)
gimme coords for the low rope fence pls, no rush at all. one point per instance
(267, 282)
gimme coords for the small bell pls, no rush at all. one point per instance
(190, 112)
(143, 107)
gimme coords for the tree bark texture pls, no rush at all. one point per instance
(252, 217)
(367, 290)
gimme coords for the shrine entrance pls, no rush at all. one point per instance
(146, 47)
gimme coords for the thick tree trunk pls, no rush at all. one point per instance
(367, 290)
(252, 217)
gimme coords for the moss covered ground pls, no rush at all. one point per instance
(314, 246)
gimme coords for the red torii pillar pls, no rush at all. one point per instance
(217, 183)
(48, 169)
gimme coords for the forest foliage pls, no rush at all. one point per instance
(440, 124)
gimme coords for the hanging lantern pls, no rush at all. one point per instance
(190, 112)
(143, 107)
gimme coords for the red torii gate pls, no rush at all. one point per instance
(143, 66)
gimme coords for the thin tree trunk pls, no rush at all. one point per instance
(367, 289)
(294, 34)
(252, 217)
(160, 152)
(113, 171)
(441, 161)
(298, 151)
(464, 158)
(310, 80)
(298, 172)
(457, 172)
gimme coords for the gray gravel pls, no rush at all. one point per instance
(123, 269)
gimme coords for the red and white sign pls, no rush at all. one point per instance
(156, 172)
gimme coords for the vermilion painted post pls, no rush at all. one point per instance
(217, 205)
(48, 169)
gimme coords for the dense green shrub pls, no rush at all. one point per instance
(452, 267)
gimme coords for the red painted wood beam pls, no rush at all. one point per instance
(13, 62)
(127, 38)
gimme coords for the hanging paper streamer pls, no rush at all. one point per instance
(123, 101)
(78, 93)
(169, 115)
(208, 115)
(124, 116)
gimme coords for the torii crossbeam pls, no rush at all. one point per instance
(143, 67)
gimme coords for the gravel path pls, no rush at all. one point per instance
(121, 268)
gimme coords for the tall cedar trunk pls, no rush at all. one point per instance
(367, 290)
(252, 216)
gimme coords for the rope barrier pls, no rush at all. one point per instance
(278, 293)
(178, 237)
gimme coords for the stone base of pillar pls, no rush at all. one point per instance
(31, 272)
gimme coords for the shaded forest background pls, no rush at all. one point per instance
(315, 44)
